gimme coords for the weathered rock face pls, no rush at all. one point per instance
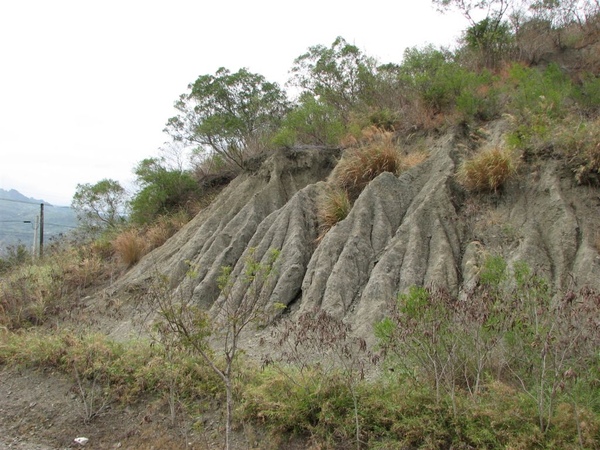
(402, 231)
(419, 228)
(272, 207)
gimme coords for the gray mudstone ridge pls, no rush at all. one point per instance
(418, 228)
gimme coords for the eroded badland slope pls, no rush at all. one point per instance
(419, 228)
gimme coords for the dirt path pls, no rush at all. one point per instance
(34, 406)
(42, 411)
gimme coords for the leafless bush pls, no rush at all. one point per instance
(509, 329)
(184, 325)
(92, 395)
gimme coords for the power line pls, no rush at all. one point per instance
(60, 225)
(31, 203)
(19, 201)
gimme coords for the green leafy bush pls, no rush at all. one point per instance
(163, 191)
(435, 78)
(534, 92)
(588, 94)
(490, 41)
(127, 370)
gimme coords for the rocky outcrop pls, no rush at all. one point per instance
(419, 228)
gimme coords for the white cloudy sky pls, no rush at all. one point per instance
(86, 86)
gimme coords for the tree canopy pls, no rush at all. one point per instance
(163, 190)
(557, 12)
(340, 75)
(100, 205)
(227, 112)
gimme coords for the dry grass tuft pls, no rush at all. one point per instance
(158, 233)
(412, 160)
(333, 207)
(364, 136)
(130, 246)
(83, 271)
(377, 154)
(580, 142)
(164, 227)
(362, 165)
(487, 171)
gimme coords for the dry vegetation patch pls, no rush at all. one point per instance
(131, 244)
(377, 153)
(488, 170)
(334, 205)
(360, 166)
(581, 143)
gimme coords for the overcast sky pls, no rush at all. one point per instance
(86, 86)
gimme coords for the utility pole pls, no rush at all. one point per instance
(41, 230)
(36, 239)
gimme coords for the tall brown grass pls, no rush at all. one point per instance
(130, 246)
(375, 154)
(580, 142)
(361, 165)
(333, 207)
(165, 227)
(488, 170)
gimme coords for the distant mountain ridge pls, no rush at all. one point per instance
(18, 216)
(15, 195)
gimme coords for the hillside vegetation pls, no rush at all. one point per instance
(406, 255)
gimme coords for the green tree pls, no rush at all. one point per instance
(101, 205)
(433, 75)
(495, 9)
(228, 113)
(557, 12)
(312, 122)
(340, 75)
(163, 190)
